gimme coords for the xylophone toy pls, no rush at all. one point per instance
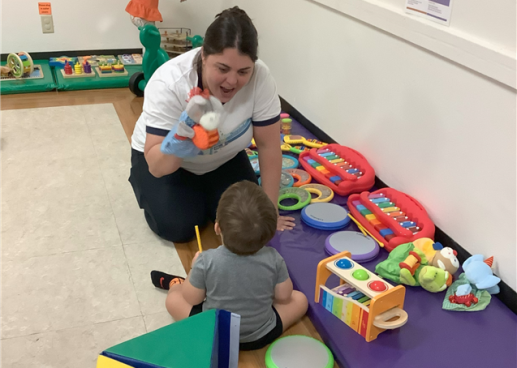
(365, 302)
(341, 168)
(391, 217)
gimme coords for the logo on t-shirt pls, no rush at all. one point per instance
(226, 139)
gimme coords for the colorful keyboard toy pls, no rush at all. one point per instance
(391, 217)
(364, 301)
(341, 168)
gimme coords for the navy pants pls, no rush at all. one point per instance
(175, 203)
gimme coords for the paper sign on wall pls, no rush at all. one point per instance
(436, 10)
(44, 8)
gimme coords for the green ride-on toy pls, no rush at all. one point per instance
(154, 57)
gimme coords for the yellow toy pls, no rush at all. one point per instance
(78, 68)
(294, 149)
(365, 302)
(198, 240)
(412, 262)
(118, 67)
(105, 68)
(426, 246)
(324, 193)
(298, 139)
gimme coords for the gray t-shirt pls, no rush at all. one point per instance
(241, 284)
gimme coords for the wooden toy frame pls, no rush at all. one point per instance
(383, 306)
(110, 75)
(73, 75)
(36, 68)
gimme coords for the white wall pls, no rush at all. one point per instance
(430, 127)
(492, 22)
(101, 25)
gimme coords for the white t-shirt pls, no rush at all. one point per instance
(257, 103)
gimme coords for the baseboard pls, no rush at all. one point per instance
(48, 55)
(507, 295)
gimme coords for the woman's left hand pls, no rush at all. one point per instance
(285, 223)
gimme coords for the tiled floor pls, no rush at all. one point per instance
(76, 251)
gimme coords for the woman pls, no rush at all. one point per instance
(181, 188)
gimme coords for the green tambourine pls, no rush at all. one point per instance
(301, 195)
(298, 351)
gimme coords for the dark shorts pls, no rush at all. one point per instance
(253, 345)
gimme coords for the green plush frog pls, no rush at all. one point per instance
(434, 279)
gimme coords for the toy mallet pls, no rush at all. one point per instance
(198, 240)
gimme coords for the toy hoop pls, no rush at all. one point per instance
(324, 193)
(298, 351)
(289, 162)
(15, 64)
(302, 177)
(301, 195)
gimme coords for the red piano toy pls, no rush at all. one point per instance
(391, 217)
(341, 168)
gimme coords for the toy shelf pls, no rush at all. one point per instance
(174, 40)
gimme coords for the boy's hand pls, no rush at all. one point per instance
(285, 223)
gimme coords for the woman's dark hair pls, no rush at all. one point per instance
(231, 29)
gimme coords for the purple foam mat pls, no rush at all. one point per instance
(432, 337)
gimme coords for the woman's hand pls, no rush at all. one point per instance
(285, 223)
(178, 141)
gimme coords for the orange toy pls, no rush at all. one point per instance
(411, 263)
(204, 139)
(206, 134)
(145, 9)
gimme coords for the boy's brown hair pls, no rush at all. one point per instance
(247, 218)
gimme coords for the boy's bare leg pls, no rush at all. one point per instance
(176, 305)
(293, 310)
